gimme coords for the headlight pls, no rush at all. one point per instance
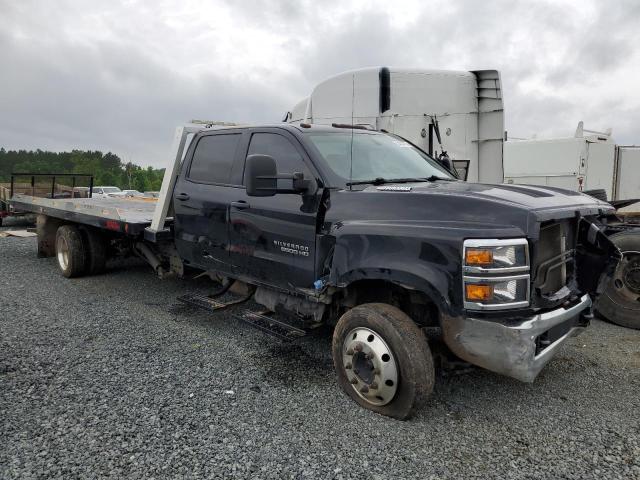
(488, 261)
(484, 256)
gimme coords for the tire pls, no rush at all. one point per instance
(70, 251)
(395, 385)
(95, 251)
(620, 303)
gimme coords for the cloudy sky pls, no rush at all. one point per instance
(119, 75)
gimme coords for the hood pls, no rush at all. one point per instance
(478, 210)
(542, 200)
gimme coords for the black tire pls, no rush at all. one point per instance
(600, 194)
(70, 251)
(620, 303)
(95, 251)
(409, 351)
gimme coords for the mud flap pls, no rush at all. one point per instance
(596, 259)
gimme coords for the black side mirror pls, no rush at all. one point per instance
(261, 176)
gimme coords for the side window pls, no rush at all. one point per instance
(213, 158)
(287, 158)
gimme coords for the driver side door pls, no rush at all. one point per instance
(272, 239)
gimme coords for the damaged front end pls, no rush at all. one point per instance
(571, 263)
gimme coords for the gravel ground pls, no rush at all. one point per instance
(110, 376)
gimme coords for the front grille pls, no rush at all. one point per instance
(554, 257)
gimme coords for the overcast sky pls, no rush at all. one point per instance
(120, 75)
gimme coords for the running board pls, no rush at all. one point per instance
(271, 326)
(208, 303)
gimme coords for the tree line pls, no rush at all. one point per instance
(106, 168)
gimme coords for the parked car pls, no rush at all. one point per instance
(132, 193)
(105, 192)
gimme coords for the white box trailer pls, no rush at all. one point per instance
(582, 163)
(466, 106)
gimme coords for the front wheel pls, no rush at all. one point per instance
(383, 360)
(620, 303)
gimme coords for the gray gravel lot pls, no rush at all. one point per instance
(109, 376)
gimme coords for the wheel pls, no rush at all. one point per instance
(620, 303)
(70, 251)
(383, 360)
(96, 251)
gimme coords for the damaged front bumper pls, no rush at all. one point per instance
(518, 349)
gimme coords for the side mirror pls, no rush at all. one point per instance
(261, 176)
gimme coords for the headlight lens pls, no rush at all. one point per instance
(498, 292)
(496, 255)
(486, 264)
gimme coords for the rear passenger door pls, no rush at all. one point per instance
(272, 239)
(202, 196)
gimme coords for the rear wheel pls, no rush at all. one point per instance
(383, 360)
(70, 251)
(95, 251)
(620, 303)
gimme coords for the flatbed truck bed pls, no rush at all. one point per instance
(129, 216)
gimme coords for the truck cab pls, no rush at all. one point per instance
(331, 222)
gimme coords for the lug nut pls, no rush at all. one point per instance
(364, 389)
(358, 348)
(350, 352)
(354, 381)
(373, 386)
(376, 371)
(348, 366)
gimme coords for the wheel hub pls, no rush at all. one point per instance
(62, 250)
(370, 366)
(627, 276)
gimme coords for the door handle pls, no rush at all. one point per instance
(240, 204)
(182, 196)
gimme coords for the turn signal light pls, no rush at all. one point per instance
(475, 256)
(479, 292)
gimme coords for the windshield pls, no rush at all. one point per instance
(375, 156)
(111, 189)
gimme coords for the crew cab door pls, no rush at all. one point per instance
(272, 239)
(201, 200)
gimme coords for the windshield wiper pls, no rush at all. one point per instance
(382, 181)
(433, 178)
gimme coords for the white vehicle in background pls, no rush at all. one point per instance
(590, 163)
(104, 192)
(132, 193)
(454, 115)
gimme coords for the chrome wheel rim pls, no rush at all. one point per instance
(370, 366)
(62, 249)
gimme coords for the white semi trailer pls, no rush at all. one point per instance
(587, 162)
(457, 112)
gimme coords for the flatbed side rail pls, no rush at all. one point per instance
(54, 176)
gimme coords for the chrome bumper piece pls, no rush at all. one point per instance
(510, 349)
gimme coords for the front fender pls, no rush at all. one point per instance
(410, 257)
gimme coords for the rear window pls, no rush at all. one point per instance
(213, 158)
